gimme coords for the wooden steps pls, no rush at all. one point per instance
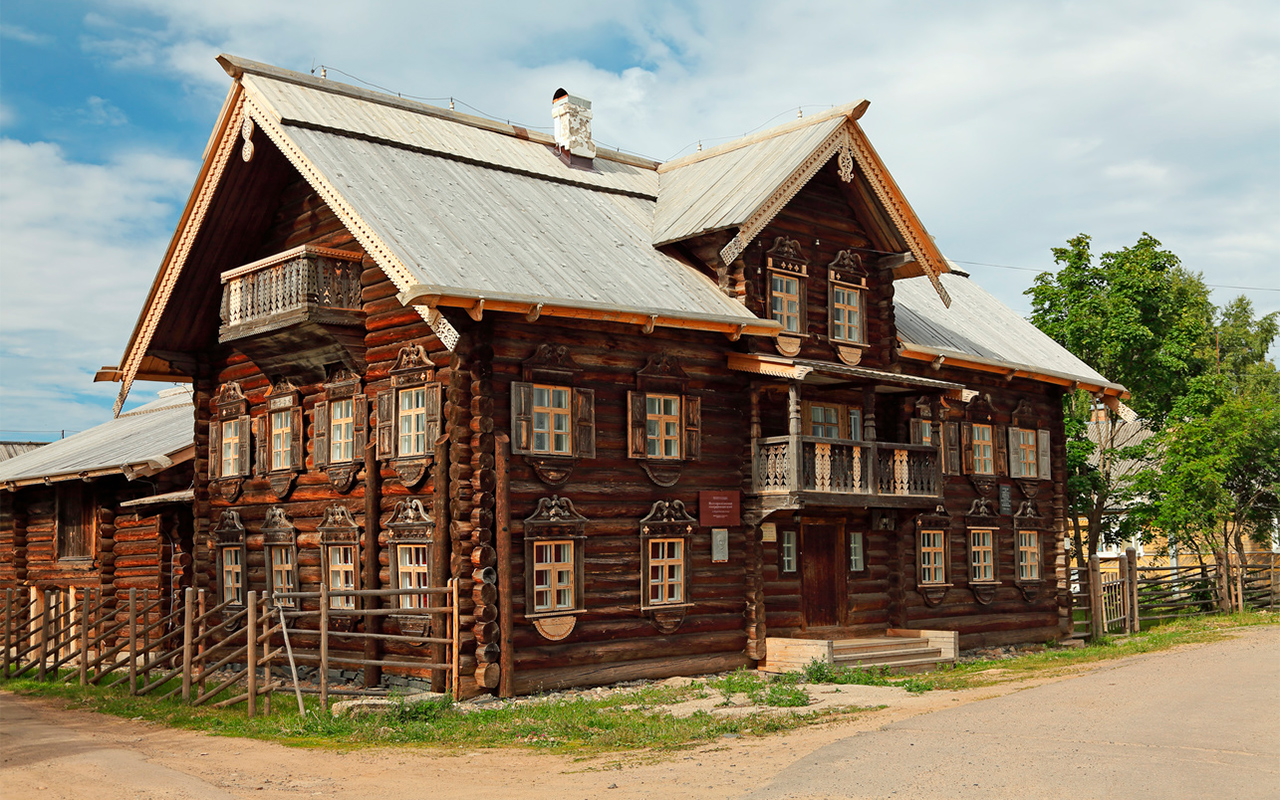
(898, 649)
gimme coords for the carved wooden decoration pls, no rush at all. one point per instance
(343, 384)
(555, 628)
(229, 530)
(551, 363)
(848, 354)
(411, 525)
(338, 526)
(277, 529)
(935, 593)
(551, 470)
(229, 406)
(282, 398)
(412, 369)
(246, 131)
(788, 345)
(786, 256)
(555, 518)
(667, 519)
(847, 268)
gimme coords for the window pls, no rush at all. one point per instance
(857, 560)
(75, 522)
(983, 460)
(855, 424)
(784, 301)
(1029, 555)
(283, 573)
(787, 551)
(412, 414)
(1029, 453)
(846, 314)
(662, 426)
(982, 568)
(921, 431)
(229, 435)
(933, 564)
(231, 463)
(666, 571)
(414, 565)
(341, 430)
(279, 437)
(341, 564)
(824, 421)
(553, 584)
(551, 427)
(281, 440)
(233, 575)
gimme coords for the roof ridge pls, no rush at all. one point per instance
(853, 111)
(144, 410)
(236, 66)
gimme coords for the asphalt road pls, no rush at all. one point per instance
(1201, 722)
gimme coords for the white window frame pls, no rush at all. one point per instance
(342, 430)
(663, 431)
(229, 464)
(548, 574)
(1029, 566)
(788, 552)
(280, 569)
(414, 572)
(931, 550)
(857, 552)
(982, 571)
(983, 449)
(552, 413)
(233, 590)
(670, 568)
(280, 425)
(411, 421)
(858, 309)
(332, 569)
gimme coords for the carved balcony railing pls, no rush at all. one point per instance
(306, 284)
(793, 465)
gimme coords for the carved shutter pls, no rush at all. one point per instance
(1042, 454)
(1000, 462)
(1015, 463)
(692, 427)
(951, 448)
(246, 448)
(297, 453)
(386, 425)
(215, 448)
(584, 423)
(320, 435)
(432, 405)
(262, 438)
(917, 431)
(637, 425)
(522, 418)
(966, 447)
(359, 427)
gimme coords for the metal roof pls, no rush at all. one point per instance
(10, 449)
(148, 439)
(979, 325)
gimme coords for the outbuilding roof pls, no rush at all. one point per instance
(149, 439)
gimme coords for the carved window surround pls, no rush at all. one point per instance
(283, 399)
(846, 272)
(279, 533)
(230, 419)
(981, 518)
(934, 592)
(229, 535)
(669, 520)
(552, 367)
(412, 528)
(1027, 519)
(663, 379)
(409, 416)
(341, 423)
(554, 520)
(785, 264)
(338, 529)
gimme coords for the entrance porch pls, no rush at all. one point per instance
(899, 649)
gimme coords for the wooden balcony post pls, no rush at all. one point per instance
(794, 423)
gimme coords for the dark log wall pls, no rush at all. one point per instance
(614, 493)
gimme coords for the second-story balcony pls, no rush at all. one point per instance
(295, 311)
(789, 471)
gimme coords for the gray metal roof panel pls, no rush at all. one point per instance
(476, 229)
(151, 433)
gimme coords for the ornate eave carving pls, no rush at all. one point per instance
(338, 526)
(411, 522)
(229, 530)
(278, 529)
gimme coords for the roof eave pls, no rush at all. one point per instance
(1010, 370)
(134, 468)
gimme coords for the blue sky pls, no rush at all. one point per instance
(1011, 127)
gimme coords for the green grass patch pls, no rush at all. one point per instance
(821, 672)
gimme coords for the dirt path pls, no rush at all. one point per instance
(50, 752)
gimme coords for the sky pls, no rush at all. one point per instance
(1011, 127)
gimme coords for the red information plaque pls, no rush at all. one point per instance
(716, 509)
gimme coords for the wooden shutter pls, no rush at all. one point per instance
(692, 427)
(297, 453)
(246, 445)
(637, 426)
(1015, 463)
(1042, 454)
(262, 438)
(966, 447)
(386, 425)
(522, 419)
(432, 405)
(320, 435)
(584, 423)
(917, 431)
(1000, 460)
(215, 448)
(951, 448)
(359, 427)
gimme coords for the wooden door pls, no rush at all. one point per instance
(822, 580)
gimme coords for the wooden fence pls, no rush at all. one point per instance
(1116, 596)
(181, 646)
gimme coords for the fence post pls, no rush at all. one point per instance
(84, 639)
(1271, 604)
(44, 633)
(1131, 586)
(1097, 614)
(188, 605)
(201, 607)
(1223, 581)
(133, 641)
(324, 644)
(8, 626)
(251, 653)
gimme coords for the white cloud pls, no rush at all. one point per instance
(18, 33)
(99, 111)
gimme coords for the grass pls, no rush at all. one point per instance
(625, 721)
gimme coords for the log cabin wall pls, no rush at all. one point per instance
(612, 638)
(12, 541)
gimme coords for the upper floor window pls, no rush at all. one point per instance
(784, 301)
(342, 417)
(847, 323)
(411, 411)
(982, 454)
(279, 438)
(824, 421)
(340, 429)
(232, 436)
(1022, 453)
(409, 415)
(787, 269)
(552, 430)
(75, 522)
(553, 422)
(229, 437)
(664, 426)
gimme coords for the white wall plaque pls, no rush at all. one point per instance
(719, 545)
(768, 532)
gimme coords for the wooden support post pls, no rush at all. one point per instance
(1224, 581)
(44, 634)
(1131, 584)
(1097, 614)
(794, 422)
(133, 641)
(84, 639)
(324, 644)
(440, 551)
(506, 614)
(8, 628)
(372, 523)
(251, 653)
(188, 634)
(201, 605)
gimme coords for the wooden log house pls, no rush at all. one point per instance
(107, 509)
(652, 417)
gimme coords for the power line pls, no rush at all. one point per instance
(1034, 269)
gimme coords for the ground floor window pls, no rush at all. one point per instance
(553, 572)
(933, 564)
(857, 560)
(982, 556)
(283, 573)
(666, 571)
(232, 562)
(787, 551)
(414, 572)
(1029, 555)
(342, 574)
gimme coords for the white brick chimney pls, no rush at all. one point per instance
(572, 118)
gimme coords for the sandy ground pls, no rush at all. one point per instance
(47, 751)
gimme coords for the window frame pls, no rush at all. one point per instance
(279, 535)
(942, 566)
(553, 413)
(230, 412)
(992, 550)
(834, 286)
(786, 262)
(779, 296)
(413, 371)
(667, 521)
(338, 529)
(74, 498)
(1021, 549)
(788, 552)
(229, 534)
(412, 527)
(275, 570)
(844, 420)
(236, 590)
(1023, 441)
(342, 387)
(556, 522)
(989, 460)
(857, 552)
(341, 603)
